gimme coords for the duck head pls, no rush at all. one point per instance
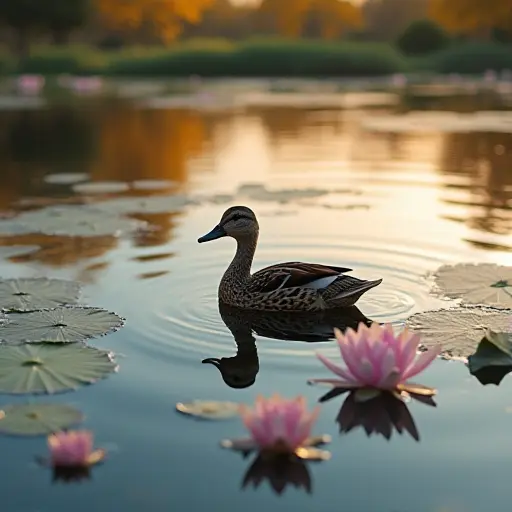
(236, 222)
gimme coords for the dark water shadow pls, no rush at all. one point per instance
(240, 371)
(280, 472)
(381, 415)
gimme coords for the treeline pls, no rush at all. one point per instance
(116, 23)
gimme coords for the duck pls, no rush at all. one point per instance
(290, 286)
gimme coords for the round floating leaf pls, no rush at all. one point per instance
(17, 250)
(484, 283)
(66, 178)
(459, 330)
(47, 368)
(144, 205)
(37, 419)
(27, 294)
(208, 409)
(152, 184)
(101, 187)
(59, 325)
(80, 221)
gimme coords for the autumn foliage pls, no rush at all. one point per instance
(165, 17)
(472, 15)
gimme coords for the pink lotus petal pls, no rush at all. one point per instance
(341, 372)
(424, 360)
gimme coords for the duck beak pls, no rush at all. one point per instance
(217, 232)
(212, 360)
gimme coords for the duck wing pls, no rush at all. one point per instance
(294, 274)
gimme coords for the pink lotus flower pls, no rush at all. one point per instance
(376, 358)
(30, 84)
(73, 449)
(280, 426)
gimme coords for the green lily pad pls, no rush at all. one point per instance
(209, 409)
(80, 221)
(493, 358)
(484, 283)
(152, 184)
(25, 294)
(37, 419)
(47, 368)
(101, 187)
(459, 330)
(17, 250)
(144, 205)
(59, 325)
(66, 178)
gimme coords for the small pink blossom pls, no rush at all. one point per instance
(280, 426)
(377, 358)
(73, 448)
(30, 84)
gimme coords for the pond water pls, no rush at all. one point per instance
(389, 204)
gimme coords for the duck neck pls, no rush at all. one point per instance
(239, 270)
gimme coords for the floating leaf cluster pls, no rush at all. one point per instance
(42, 351)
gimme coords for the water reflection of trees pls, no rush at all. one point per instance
(139, 144)
(38, 142)
(486, 160)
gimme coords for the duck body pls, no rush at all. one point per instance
(289, 286)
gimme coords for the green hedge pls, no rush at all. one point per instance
(259, 57)
(473, 58)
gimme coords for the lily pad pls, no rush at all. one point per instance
(208, 409)
(26, 294)
(145, 205)
(493, 358)
(152, 184)
(66, 178)
(82, 221)
(17, 250)
(37, 419)
(59, 325)
(484, 283)
(101, 187)
(47, 368)
(258, 192)
(459, 330)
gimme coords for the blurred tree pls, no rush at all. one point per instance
(288, 17)
(62, 16)
(28, 17)
(422, 37)
(325, 18)
(24, 17)
(329, 18)
(384, 20)
(165, 17)
(472, 15)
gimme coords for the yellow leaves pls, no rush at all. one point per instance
(164, 16)
(332, 15)
(461, 15)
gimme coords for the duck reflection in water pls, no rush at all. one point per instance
(379, 413)
(240, 370)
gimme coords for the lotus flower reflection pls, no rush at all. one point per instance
(280, 427)
(73, 449)
(378, 360)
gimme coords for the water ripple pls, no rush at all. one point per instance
(191, 322)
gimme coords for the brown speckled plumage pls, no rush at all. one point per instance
(286, 286)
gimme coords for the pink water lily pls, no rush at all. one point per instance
(73, 448)
(280, 426)
(378, 359)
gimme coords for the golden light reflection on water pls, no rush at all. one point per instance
(464, 178)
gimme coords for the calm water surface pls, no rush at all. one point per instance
(397, 207)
